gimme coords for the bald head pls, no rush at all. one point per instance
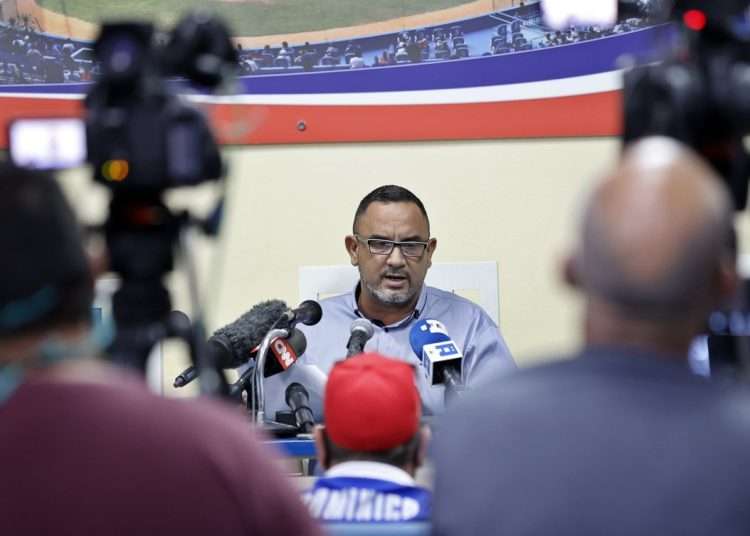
(655, 232)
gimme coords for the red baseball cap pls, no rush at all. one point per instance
(371, 403)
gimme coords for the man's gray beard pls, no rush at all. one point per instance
(392, 298)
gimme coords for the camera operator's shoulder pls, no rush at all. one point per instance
(194, 419)
(98, 391)
(733, 408)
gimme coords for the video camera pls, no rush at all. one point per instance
(142, 139)
(140, 135)
(697, 92)
(700, 94)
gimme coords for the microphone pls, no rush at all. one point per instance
(361, 331)
(285, 352)
(219, 349)
(298, 400)
(185, 377)
(309, 313)
(232, 345)
(313, 380)
(238, 339)
(441, 359)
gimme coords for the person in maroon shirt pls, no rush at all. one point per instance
(86, 448)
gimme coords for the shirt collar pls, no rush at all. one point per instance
(376, 470)
(418, 309)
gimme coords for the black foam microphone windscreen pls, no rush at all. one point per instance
(241, 336)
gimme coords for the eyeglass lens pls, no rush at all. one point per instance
(384, 247)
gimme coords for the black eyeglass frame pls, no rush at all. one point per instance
(393, 244)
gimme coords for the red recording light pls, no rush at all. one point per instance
(695, 19)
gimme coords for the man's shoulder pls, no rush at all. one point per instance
(195, 419)
(442, 298)
(336, 300)
(516, 386)
(338, 307)
(557, 372)
(436, 293)
(344, 302)
(123, 398)
(600, 386)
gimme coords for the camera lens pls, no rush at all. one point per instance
(122, 50)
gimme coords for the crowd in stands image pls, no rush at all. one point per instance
(30, 56)
(515, 30)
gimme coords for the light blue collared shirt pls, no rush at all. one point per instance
(474, 332)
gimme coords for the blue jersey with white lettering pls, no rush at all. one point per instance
(367, 500)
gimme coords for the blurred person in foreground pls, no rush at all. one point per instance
(371, 445)
(86, 449)
(623, 438)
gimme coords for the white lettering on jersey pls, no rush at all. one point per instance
(360, 504)
(409, 509)
(365, 505)
(336, 507)
(316, 501)
(392, 507)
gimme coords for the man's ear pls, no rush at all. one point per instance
(431, 247)
(569, 271)
(352, 248)
(320, 445)
(728, 280)
(424, 443)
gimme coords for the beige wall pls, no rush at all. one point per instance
(513, 202)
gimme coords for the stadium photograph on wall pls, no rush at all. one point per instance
(317, 71)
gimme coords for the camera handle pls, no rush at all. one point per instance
(141, 252)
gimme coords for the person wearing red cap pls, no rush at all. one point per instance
(371, 445)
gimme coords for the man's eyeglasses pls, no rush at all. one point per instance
(380, 246)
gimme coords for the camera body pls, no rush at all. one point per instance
(156, 143)
(152, 145)
(141, 136)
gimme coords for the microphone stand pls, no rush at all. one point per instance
(453, 387)
(258, 408)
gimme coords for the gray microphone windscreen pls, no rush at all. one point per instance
(363, 325)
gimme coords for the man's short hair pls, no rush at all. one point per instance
(45, 278)
(389, 193)
(399, 456)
